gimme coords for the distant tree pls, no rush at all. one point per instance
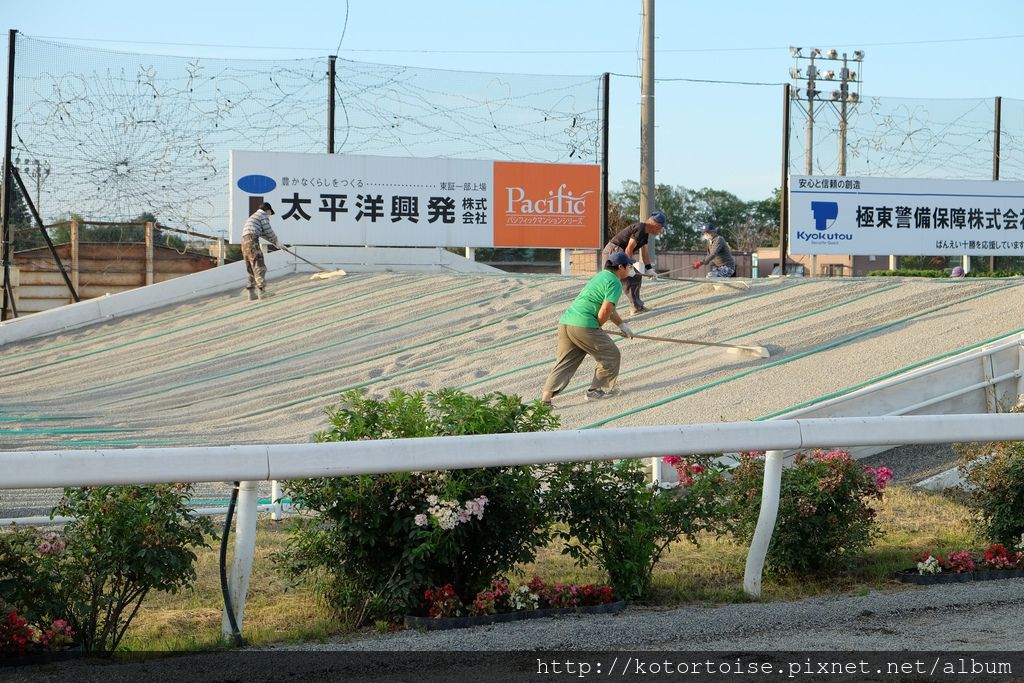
(724, 209)
(24, 232)
(668, 199)
(745, 225)
(765, 217)
(62, 233)
(618, 219)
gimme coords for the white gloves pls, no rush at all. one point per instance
(280, 245)
(626, 330)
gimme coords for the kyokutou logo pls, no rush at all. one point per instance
(825, 215)
(559, 207)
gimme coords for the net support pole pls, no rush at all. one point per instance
(8, 245)
(330, 102)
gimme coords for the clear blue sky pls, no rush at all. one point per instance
(723, 136)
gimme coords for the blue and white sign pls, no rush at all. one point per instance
(844, 215)
(336, 199)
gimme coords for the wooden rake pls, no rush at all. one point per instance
(752, 351)
(717, 281)
(324, 274)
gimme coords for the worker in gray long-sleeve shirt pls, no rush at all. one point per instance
(719, 257)
(257, 226)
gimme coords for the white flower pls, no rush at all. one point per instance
(929, 566)
(523, 599)
(421, 520)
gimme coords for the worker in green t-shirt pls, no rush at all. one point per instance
(580, 334)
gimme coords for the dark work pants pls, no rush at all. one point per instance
(631, 285)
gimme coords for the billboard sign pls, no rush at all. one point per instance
(865, 216)
(350, 200)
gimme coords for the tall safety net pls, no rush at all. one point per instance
(127, 134)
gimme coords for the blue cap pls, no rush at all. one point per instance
(659, 218)
(620, 258)
(709, 227)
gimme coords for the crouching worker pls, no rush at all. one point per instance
(719, 256)
(580, 334)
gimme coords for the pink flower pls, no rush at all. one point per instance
(420, 520)
(960, 561)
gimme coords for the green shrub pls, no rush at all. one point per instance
(825, 509)
(994, 474)
(123, 542)
(613, 519)
(908, 272)
(377, 542)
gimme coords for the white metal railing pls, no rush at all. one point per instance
(251, 463)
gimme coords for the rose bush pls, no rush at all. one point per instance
(826, 511)
(374, 543)
(994, 478)
(613, 519)
(122, 542)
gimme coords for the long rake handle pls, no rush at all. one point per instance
(751, 349)
(708, 281)
(289, 251)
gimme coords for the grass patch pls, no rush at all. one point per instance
(191, 620)
(709, 574)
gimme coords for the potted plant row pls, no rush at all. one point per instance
(443, 609)
(23, 643)
(960, 566)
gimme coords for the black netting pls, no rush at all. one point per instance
(124, 135)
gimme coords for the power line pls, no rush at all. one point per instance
(901, 43)
(700, 80)
(344, 27)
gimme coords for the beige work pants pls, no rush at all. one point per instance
(575, 344)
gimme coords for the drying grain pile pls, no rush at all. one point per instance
(222, 370)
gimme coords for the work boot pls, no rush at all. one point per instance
(598, 394)
(251, 292)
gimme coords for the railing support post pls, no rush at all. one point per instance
(765, 523)
(277, 511)
(245, 549)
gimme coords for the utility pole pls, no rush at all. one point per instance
(647, 115)
(40, 171)
(844, 97)
(812, 73)
(844, 87)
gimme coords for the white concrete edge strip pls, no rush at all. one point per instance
(185, 288)
(46, 469)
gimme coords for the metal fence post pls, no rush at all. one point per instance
(245, 550)
(765, 523)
